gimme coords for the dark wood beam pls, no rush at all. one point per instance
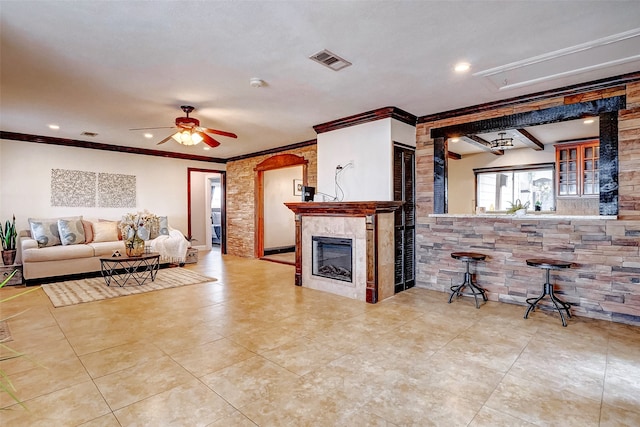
(530, 140)
(453, 156)
(481, 143)
(577, 89)
(557, 114)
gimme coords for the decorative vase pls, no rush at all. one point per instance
(134, 246)
(9, 256)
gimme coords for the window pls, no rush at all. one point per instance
(498, 188)
(578, 169)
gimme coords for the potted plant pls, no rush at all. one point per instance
(538, 206)
(518, 208)
(8, 237)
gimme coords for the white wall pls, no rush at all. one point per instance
(370, 148)
(461, 180)
(403, 133)
(279, 221)
(25, 181)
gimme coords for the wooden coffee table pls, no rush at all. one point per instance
(134, 271)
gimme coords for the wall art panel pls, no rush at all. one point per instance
(116, 190)
(73, 188)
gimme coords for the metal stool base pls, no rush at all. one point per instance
(474, 290)
(559, 304)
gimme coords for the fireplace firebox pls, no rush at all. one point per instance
(331, 258)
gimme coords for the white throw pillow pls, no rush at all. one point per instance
(71, 231)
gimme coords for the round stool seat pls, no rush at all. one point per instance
(468, 256)
(547, 287)
(548, 263)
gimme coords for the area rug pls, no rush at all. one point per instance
(5, 333)
(94, 289)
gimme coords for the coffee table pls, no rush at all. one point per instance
(134, 271)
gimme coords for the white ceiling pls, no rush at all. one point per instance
(106, 67)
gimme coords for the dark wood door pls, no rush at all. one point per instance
(405, 226)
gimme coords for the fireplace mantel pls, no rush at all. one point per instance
(376, 232)
(343, 208)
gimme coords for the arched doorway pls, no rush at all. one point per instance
(279, 161)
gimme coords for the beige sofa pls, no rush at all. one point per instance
(40, 261)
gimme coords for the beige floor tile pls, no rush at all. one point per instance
(108, 420)
(211, 357)
(536, 403)
(249, 380)
(488, 417)
(237, 419)
(188, 404)
(141, 381)
(65, 407)
(324, 360)
(42, 380)
(115, 359)
(612, 416)
(622, 389)
(302, 355)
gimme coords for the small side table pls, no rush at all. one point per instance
(120, 270)
(547, 287)
(6, 270)
(474, 290)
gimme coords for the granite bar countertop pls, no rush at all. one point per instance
(542, 216)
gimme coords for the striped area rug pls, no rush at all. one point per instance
(94, 289)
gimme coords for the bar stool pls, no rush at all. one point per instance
(474, 289)
(547, 288)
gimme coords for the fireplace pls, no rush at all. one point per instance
(332, 258)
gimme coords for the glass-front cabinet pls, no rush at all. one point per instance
(577, 166)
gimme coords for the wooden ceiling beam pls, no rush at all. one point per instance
(530, 140)
(483, 144)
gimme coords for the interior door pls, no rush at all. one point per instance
(405, 227)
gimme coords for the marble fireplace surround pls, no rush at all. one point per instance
(370, 224)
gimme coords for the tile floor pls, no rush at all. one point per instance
(253, 349)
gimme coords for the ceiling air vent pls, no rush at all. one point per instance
(330, 59)
(91, 134)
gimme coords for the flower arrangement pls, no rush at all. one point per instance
(139, 224)
(135, 229)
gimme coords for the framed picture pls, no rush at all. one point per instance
(297, 187)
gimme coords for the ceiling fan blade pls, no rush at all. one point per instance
(208, 140)
(165, 140)
(218, 132)
(163, 127)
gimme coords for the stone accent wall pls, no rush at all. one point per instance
(606, 280)
(603, 283)
(241, 198)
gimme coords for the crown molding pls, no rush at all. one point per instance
(106, 147)
(369, 116)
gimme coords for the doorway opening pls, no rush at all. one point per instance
(206, 202)
(278, 179)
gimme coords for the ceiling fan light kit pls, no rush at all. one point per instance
(187, 138)
(190, 132)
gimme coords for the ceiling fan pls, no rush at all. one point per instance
(190, 132)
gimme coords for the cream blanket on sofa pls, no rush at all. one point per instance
(172, 248)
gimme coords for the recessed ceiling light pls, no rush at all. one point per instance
(54, 127)
(462, 67)
(148, 135)
(206, 148)
(588, 121)
(256, 82)
(454, 139)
